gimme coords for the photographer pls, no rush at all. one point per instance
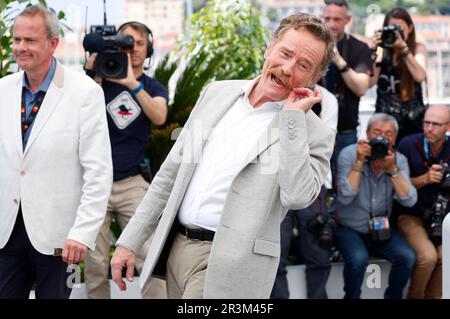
(428, 153)
(349, 73)
(132, 104)
(400, 64)
(370, 176)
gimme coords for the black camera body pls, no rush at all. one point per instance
(380, 147)
(389, 35)
(435, 216)
(110, 62)
(323, 227)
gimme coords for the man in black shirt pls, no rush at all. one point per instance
(133, 104)
(349, 73)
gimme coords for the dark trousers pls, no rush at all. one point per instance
(315, 258)
(355, 247)
(21, 266)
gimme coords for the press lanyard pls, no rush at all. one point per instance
(429, 155)
(28, 120)
(372, 213)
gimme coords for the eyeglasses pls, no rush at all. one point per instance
(339, 3)
(434, 124)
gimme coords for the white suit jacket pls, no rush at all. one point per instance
(63, 178)
(286, 169)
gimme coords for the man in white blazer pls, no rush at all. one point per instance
(55, 160)
(250, 151)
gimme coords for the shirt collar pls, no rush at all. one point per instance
(247, 88)
(47, 80)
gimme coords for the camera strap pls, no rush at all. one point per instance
(429, 159)
(27, 121)
(372, 213)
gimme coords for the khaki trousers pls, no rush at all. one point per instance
(125, 197)
(186, 268)
(426, 280)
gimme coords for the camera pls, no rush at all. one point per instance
(435, 216)
(380, 147)
(389, 35)
(445, 183)
(323, 227)
(110, 62)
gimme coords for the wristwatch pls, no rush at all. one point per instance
(393, 173)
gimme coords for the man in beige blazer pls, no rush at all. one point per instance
(55, 159)
(250, 151)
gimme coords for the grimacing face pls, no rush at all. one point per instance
(291, 61)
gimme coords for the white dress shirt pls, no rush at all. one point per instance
(224, 155)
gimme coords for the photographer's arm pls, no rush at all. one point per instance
(377, 56)
(90, 67)
(416, 63)
(399, 183)
(355, 81)
(354, 176)
(433, 175)
(405, 192)
(154, 107)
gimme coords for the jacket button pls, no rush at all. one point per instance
(15, 201)
(22, 173)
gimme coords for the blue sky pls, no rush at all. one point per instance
(76, 11)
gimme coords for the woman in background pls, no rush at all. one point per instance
(399, 64)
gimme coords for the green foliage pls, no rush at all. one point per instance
(428, 7)
(226, 41)
(8, 10)
(231, 28)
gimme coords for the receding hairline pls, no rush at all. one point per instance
(347, 11)
(441, 107)
(52, 25)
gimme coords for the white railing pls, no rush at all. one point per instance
(446, 258)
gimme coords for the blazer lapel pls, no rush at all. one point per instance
(16, 104)
(214, 113)
(49, 104)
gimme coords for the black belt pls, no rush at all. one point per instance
(196, 233)
(347, 131)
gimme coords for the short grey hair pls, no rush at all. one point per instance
(52, 25)
(382, 117)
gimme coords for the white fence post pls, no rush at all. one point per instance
(446, 258)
